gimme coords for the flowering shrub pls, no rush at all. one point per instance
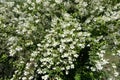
(57, 39)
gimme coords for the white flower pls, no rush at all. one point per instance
(35, 64)
(62, 68)
(24, 78)
(106, 18)
(72, 66)
(68, 67)
(29, 43)
(114, 66)
(81, 45)
(110, 78)
(118, 52)
(48, 53)
(68, 39)
(72, 46)
(45, 77)
(66, 32)
(18, 48)
(12, 52)
(76, 1)
(116, 73)
(88, 45)
(34, 54)
(16, 71)
(21, 62)
(58, 1)
(46, 3)
(55, 55)
(92, 68)
(84, 4)
(98, 66)
(64, 55)
(63, 40)
(66, 16)
(88, 21)
(29, 1)
(46, 45)
(12, 78)
(38, 1)
(104, 62)
(10, 4)
(66, 72)
(45, 63)
(76, 55)
(39, 45)
(31, 77)
(24, 30)
(102, 51)
(11, 39)
(79, 34)
(71, 32)
(62, 46)
(26, 73)
(54, 68)
(100, 55)
(28, 65)
(86, 34)
(62, 35)
(31, 59)
(36, 21)
(39, 71)
(55, 44)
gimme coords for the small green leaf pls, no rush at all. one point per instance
(77, 77)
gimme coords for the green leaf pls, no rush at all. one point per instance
(77, 77)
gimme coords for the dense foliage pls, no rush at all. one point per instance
(60, 40)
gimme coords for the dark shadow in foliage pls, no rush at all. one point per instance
(39, 77)
(82, 61)
(6, 68)
(80, 72)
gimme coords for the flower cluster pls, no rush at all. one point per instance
(59, 50)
